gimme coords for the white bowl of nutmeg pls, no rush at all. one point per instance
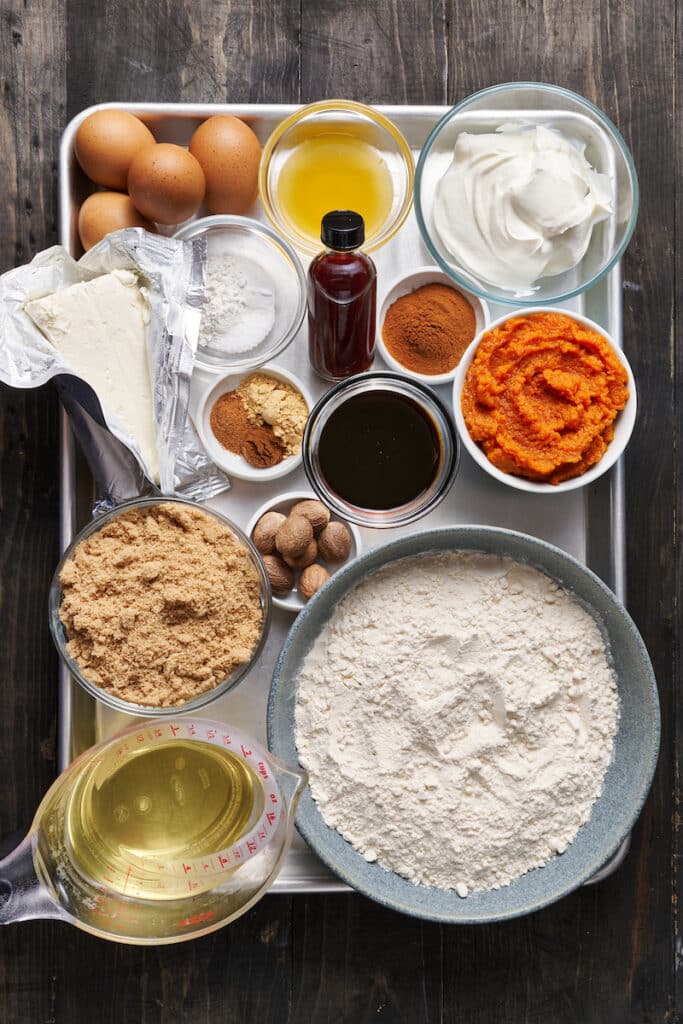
(301, 543)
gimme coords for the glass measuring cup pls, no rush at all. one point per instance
(167, 831)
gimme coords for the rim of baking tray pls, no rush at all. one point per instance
(460, 276)
(379, 558)
(58, 632)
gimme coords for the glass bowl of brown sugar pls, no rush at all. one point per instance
(159, 607)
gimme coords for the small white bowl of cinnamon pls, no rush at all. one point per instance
(425, 324)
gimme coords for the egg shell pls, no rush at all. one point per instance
(166, 183)
(106, 143)
(103, 212)
(229, 153)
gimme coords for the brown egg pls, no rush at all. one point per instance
(103, 212)
(166, 183)
(230, 154)
(105, 144)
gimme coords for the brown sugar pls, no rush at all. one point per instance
(160, 605)
(232, 428)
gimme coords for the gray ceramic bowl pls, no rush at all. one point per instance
(628, 777)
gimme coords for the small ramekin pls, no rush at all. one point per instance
(293, 602)
(623, 425)
(235, 465)
(410, 282)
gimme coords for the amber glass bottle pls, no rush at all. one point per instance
(342, 295)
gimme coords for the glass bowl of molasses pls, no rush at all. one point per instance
(380, 450)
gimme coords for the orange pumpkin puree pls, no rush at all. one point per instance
(541, 396)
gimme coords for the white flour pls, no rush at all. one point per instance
(457, 716)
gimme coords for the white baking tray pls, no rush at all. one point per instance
(588, 523)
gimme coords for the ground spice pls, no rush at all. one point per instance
(232, 428)
(277, 404)
(428, 330)
(161, 604)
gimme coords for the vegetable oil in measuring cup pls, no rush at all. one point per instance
(133, 823)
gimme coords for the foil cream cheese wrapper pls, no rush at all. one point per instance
(170, 275)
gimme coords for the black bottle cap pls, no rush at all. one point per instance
(342, 230)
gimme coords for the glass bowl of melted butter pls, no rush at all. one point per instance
(336, 155)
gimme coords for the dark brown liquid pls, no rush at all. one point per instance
(379, 450)
(341, 313)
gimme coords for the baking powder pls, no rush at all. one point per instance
(239, 305)
(457, 716)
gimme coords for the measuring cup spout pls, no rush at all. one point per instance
(23, 896)
(292, 782)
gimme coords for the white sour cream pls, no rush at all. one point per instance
(519, 204)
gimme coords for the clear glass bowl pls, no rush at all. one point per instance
(431, 406)
(60, 638)
(338, 117)
(248, 239)
(537, 104)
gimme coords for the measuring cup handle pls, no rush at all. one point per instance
(22, 895)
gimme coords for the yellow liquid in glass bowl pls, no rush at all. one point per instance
(334, 172)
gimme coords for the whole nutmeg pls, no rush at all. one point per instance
(334, 543)
(280, 575)
(294, 536)
(263, 534)
(302, 561)
(316, 513)
(311, 580)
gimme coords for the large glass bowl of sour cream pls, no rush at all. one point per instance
(526, 193)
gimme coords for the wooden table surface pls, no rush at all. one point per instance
(605, 955)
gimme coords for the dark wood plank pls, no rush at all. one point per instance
(389, 52)
(604, 954)
(31, 118)
(207, 51)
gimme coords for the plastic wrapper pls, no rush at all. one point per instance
(170, 274)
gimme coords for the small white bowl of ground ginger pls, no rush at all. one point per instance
(160, 607)
(252, 424)
(425, 324)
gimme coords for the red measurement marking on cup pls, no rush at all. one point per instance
(263, 770)
(197, 919)
(175, 729)
(270, 817)
(245, 752)
(226, 740)
(125, 881)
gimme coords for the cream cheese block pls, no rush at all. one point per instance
(98, 327)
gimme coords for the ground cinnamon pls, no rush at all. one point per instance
(231, 427)
(429, 329)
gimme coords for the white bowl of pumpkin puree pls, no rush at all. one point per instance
(544, 400)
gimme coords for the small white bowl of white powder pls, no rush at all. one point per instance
(254, 293)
